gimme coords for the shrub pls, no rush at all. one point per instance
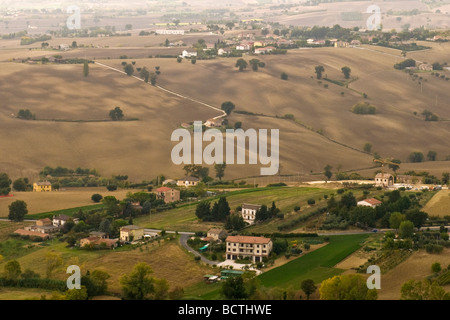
(311, 201)
(297, 208)
(364, 108)
(111, 187)
(97, 197)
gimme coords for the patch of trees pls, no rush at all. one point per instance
(397, 206)
(264, 213)
(416, 157)
(293, 223)
(5, 184)
(17, 211)
(30, 40)
(429, 116)
(26, 115)
(219, 211)
(116, 114)
(364, 108)
(228, 107)
(405, 64)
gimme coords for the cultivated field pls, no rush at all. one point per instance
(439, 205)
(41, 202)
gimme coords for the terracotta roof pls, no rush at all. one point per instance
(247, 239)
(386, 175)
(23, 232)
(164, 189)
(372, 201)
(130, 227)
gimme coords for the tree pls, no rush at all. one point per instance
(406, 229)
(432, 155)
(436, 267)
(138, 285)
(20, 185)
(416, 157)
(417, 217)
(238, 125)
(262, 213)
(52, 261)
(393, 166)
(96, 197)
(153, 79)
(96, 283)
(77, 294)
(241, 64)
(346, 287)
(179, 59)
(327, 172)
(220, 170)
(12, 270)
(255, 64)
(445, 177)
(308, 287)
(235, 222)
(116, 114)
(145, 74)
(423, 290)
(86, 69)
(396, 219)
(203, 210)
(346, 71)
(319, 71)
(193, 61)
(284, 76)
(17, 211)
(74, 44)
(228, 107)
(368, 147)
(129, 69)
(5, 184)
(234, 289)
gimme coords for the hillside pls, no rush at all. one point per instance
(325, 131)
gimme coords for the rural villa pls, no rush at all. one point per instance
(384, 180)
(168, 194)
(44, 186)
(248, 212)
(255, 248)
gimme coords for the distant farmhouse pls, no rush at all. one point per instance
(131, 233)
(372, 202)
(167, 194)
(187, 54)
(178, 32)
(43, 186)
(384, 180)
(255, 248)
(188, 182)
(213, 123)
(248, 212)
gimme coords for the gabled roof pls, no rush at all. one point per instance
(247, 239)
(163, 189)
(384, 176)
(372, 201)
(43, 184)
(189, 179)
(251, 206)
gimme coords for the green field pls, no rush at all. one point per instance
(317, 265)
(286, 198)
(68, 212)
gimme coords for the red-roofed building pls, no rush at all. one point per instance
(168, 194)
(255, 248)
(372, 202)
(29, 233)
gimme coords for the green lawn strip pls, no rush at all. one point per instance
(69, 212)
(316, 264)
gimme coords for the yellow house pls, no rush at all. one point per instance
(131, 233)
(42, 186)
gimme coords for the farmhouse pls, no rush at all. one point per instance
(341, 44)
(212, 123)
(44, 186)
(407, 179)
(167, 194)
(188, 182)
(177, 32)
(216, 234)
(372, 202)
(186, 54)
(43, 226)
(255, 248)
(384, 180)
(94, 241)
(29, 233)
(223, 52)
(264, 50)
(59, 221)
(249, 212)
(131, 233)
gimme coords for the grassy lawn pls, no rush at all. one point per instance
(23, 294)
(317, 265)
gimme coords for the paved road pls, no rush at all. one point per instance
(183, 241)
